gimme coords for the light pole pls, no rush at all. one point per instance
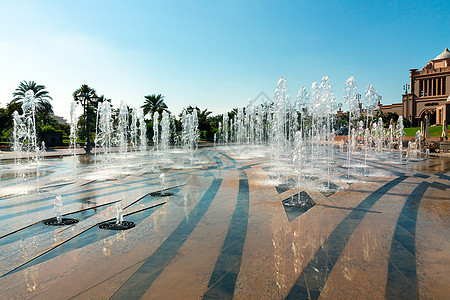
(358, 98)
(405, 88)
(85, 100)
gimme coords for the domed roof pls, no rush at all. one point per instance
(443, 55)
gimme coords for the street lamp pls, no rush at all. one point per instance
(358, 98)
(406, 87)
(85, 99)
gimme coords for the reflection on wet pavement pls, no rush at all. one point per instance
(236, 226)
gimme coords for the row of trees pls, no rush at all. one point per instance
(44, 110)
(88, 98)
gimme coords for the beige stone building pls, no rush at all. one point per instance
(428, 93)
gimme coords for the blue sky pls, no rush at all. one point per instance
(215, 54)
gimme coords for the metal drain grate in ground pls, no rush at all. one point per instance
(113, 226)
(64, 222)
(286, 186)
(297, 205)
(328, 188)
(161, 194)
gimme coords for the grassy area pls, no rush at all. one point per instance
(434, 130)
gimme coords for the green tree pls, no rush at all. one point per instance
(9, 110)
(43, 105)
(102, 98)
(232, 113)
(189, 110)
(44, 119)
(386, 117)
(154, 103)
(204, 122)
(204, 115)
(4, 118)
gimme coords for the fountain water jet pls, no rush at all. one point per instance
(58, 220)
(165, 135)
(351, 99)
(123, 129)
(161, 192)
(156, 131)
(119, 223)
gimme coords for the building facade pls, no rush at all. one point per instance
(428, 93)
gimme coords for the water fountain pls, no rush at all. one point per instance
(351, 99)
(399, 133)
(58, 220)
(371, 96)
(58, 209)
(25, 141)
(73, 136)
(134, 134)
(418, 143)
(278, 137)
(118, 223)
(161, 192)
(301, 134)
(143, 131)
(409, 151)
(105, 130)
(156, 132)
(225, 129)
(302, 105)
(190, 133)
(304, 131)
(123, 129)
(165, 136)
(173, 132)
(162, 179)
(24, 133)
(119, 215)
(219, 134)
(19, 136)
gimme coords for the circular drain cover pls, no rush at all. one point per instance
(159, 194)
(113, 226)
(64, 221)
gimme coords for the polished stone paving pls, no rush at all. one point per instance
(226, 232)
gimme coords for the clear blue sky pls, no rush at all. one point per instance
(214, 54)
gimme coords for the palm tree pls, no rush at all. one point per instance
(204, 121)
(102, 98)
(204, 124)
(232, 113)
(203, 115)
(43, 106)
(154, 103)
(87, 97)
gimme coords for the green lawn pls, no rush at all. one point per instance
(434, 130)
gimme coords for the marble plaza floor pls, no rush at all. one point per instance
(225, 232)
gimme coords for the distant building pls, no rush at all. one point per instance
(428, 94)
(59, 120)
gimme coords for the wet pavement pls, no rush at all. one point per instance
(228, 231)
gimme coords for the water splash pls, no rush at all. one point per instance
(123, 129)
(58, 208)
(156, 131)
(119, 214)
(162, 179)
(165, 135)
